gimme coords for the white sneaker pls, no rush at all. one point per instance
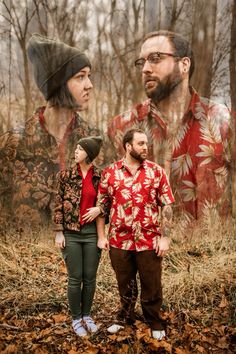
(90, 325)
(114, 328)
(79, 328)
(158, 334)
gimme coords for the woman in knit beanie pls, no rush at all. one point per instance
(62, 74)
(76, 233)
(56, 68)
(51, 134)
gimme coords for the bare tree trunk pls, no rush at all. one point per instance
(151, 13)
(232, 67)
(203, 43)
(27, 86)
(9, 82)
(19, 22)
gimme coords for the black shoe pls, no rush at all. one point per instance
(123, 317)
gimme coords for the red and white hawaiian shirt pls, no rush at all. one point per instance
(194, 153)
(134, 203)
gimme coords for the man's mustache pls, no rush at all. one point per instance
(151, 78)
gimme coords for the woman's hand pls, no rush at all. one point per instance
(60, 240)
(91, 214)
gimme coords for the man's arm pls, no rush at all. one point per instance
(103, 202)
(166, 223)
(103, 242)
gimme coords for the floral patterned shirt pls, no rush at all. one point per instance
(195, 154)
(134, 203)
(29, 161)
(67, 208)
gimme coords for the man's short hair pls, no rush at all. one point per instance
(180, 45)
(63, 99)
(129, 135)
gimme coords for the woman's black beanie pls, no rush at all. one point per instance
(54, 63)
(91, 145)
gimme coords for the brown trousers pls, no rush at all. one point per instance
(147, 264)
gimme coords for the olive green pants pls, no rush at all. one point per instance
(81, 256)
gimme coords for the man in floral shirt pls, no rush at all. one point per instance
(188, 133)
(136, 189)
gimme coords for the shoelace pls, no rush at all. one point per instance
(91, 326)
(89, 320)
(77, 325)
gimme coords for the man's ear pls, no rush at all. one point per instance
(185, 64)
(127, 145)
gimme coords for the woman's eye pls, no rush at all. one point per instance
(80, 77)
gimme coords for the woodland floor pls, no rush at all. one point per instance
(199, 297)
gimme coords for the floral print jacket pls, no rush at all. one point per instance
(30, 159)
(66, 213)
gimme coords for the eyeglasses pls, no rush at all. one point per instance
(153, 58)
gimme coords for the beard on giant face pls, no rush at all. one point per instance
(166, 86)
(137, 156)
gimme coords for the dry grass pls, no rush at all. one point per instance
(198, 273)
(32, 273)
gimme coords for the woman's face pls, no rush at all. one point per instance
(80, 154)
(80, 87)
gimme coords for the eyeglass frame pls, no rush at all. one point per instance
(139, 66)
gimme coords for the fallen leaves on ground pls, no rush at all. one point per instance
(199, 295)
(53, 334)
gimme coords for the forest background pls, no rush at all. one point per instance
(199, 278)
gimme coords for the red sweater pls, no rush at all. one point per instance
(88, 193)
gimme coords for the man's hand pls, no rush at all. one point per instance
(163, 245)
(91, 214)
(60, 240)
(103, 243)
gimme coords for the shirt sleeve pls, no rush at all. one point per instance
(8, 148)
(58, 212)
(103, 198)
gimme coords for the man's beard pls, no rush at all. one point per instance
(137, 156)
(165, 87)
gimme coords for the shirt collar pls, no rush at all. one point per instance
(79, 169)
(40, 111)
(194, 99)
(76, 171)
(156, 114)
(122, 164)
